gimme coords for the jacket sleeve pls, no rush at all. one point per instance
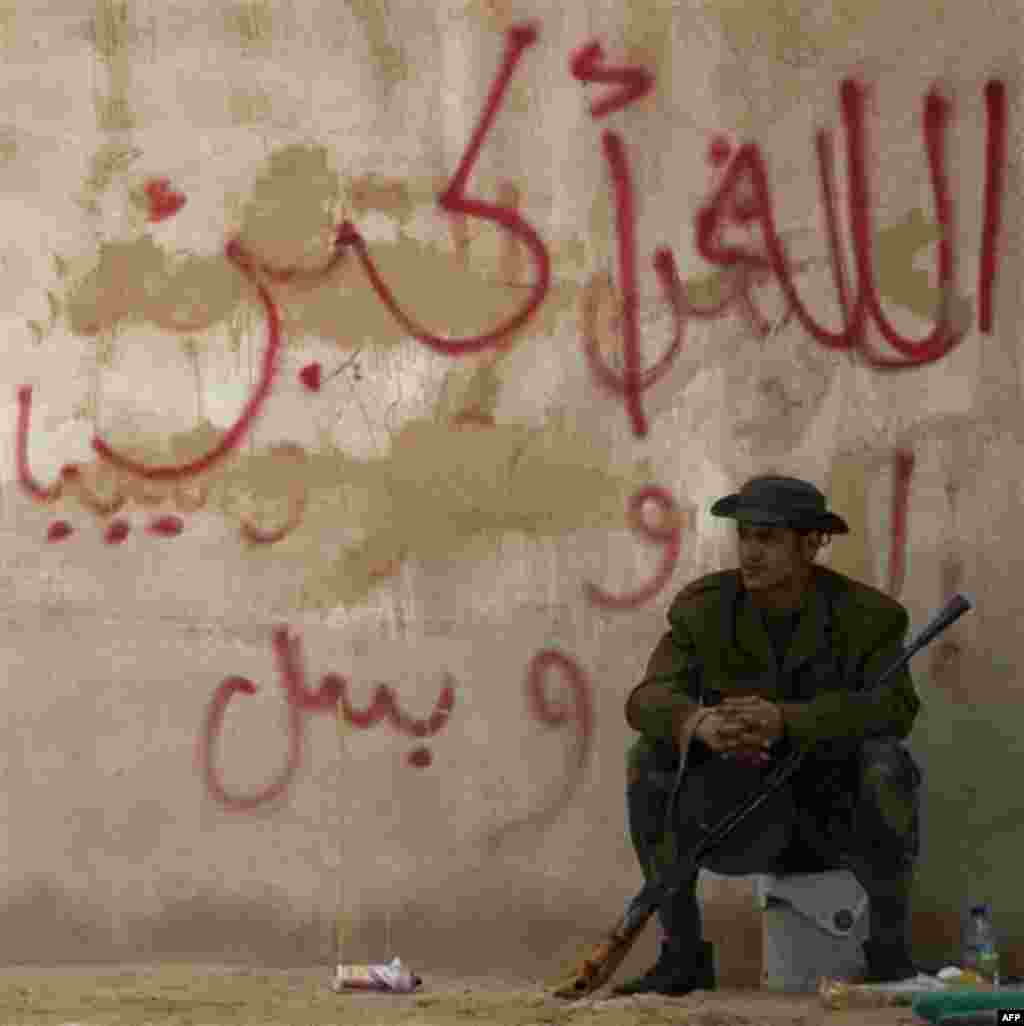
(845, 715)
(664, 696)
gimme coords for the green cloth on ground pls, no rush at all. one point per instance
(933, 1007)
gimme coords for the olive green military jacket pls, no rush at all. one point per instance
(847, 634)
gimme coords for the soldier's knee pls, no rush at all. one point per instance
(890, 781)
(638, 761)
(648, 763)
(886, 763)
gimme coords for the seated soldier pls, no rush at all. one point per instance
(785, 644)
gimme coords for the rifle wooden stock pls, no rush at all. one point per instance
(605, 957)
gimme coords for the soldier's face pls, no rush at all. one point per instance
(772, 559)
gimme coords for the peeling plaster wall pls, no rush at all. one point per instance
(453, 508)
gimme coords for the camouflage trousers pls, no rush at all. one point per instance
(860, 812)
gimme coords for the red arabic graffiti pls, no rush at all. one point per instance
(744, 198)
(333, 693)
(632, 383)
(300, 700)
(234, 436)
(69, 473)
(455, 200)
(903, 469)
(636, 81)
(214, 721)
(117, 532)
(163, 201)
(167, 527)
(383, 707)
(666, 534)
(581, 714)
(295, 455)
(995, 164)
(310, 376)
(740, 198)
(719, 151)
(237, 432)
(59, 530)
(306, 277)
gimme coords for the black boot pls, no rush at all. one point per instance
(678, 971)
(887, 952)
(887, 961)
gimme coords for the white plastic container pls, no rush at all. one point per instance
(813, 927)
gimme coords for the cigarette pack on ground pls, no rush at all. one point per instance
(390, 976)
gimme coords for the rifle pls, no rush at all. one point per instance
(608, 955)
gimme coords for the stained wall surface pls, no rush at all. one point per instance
(394, 514)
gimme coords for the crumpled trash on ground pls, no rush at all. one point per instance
(390, 976)
(839, 995)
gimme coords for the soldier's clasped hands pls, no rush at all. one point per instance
(741, 725)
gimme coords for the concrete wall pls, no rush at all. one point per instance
(444, 514)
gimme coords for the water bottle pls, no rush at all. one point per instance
(980, 945)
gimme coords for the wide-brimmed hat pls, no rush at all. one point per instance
(780, 501)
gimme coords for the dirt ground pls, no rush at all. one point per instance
(204, 995)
